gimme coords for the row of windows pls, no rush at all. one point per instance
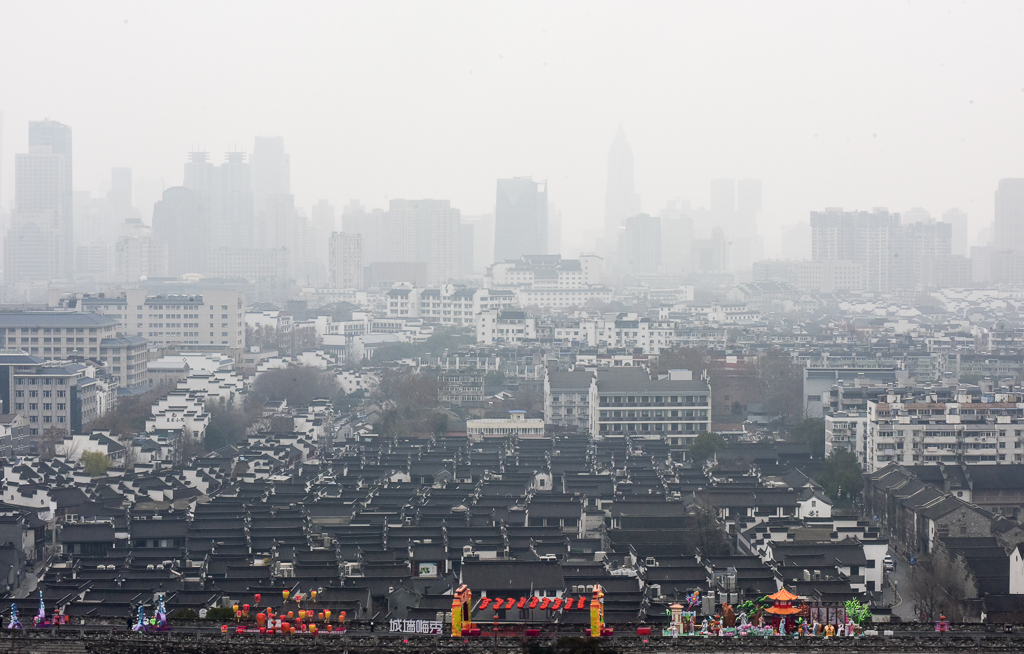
(36, 393)
(46, 381)
(47, 406)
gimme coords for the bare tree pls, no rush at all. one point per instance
(131, 455)
(186, 446)
(938, 587)
(51, 443)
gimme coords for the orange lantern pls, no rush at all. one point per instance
(260, 618)
(320, 616)
(341, 617)
(291, 615)
(313, 595)
(292, 630)
(330, 627)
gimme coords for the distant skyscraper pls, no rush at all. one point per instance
(1, 162)
(748, 205)
(483, 240)
(621, 199)
(39, 244)
(180, 221)
(677, 237)
(426, 231)
(346, 260)
(120, 197)
(1009, 218)
(958, 219)
(554, 229)
(520, 218)
(226, 193)
(271, 170)
(640, 247)
(723, 203)
(323, 220)
(858, 236)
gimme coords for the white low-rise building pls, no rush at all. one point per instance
(517, 424)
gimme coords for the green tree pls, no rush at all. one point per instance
(812, 432)
(704, 446)
(494, 378)
(95, 463)
(858, 612)
(841, 477)
(299, 385)
(227, 425)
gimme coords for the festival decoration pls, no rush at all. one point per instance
(462, 604)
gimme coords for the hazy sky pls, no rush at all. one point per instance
(857, 104)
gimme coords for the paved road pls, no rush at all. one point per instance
(897, 582)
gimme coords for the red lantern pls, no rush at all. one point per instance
(484, 603)
(497, 604)
(223, 628)
(545, 603)
(557, 604)
(533, 602)
(245, 608)
(341, 617)
(581, 603)
(260, 618)
(263, 630)
(521, 603)
(257, 598)
(330, 627)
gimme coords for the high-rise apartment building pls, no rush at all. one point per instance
(39, 243)
(180, 221)
(1009, 216)
(57, 137)
(857, 236)
(640, 245)
(621, 199)
(520, 218)
(346, 260)
(961, 242)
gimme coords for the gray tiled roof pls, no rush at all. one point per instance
(55, 319)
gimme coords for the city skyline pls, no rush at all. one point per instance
(777, 118)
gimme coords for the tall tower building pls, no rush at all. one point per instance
(860, 237)
(346, 260)
(640, 248)
(1009, 218)
(958, 219)
(181, 222)
(39, 243)
(621, 199)
(520, 218)
(426, 231)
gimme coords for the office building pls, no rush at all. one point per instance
(961, 242)
(55, 138)
(640, 245)
(213, 319)
(250, 264)
(448, 305)
(520, 218)
(857, 236)
(346, 260)
(39, 243)
(1009, 215)
(181, 223)
(627, 402)
(80, 333)
(621, 199)
(137, 257)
